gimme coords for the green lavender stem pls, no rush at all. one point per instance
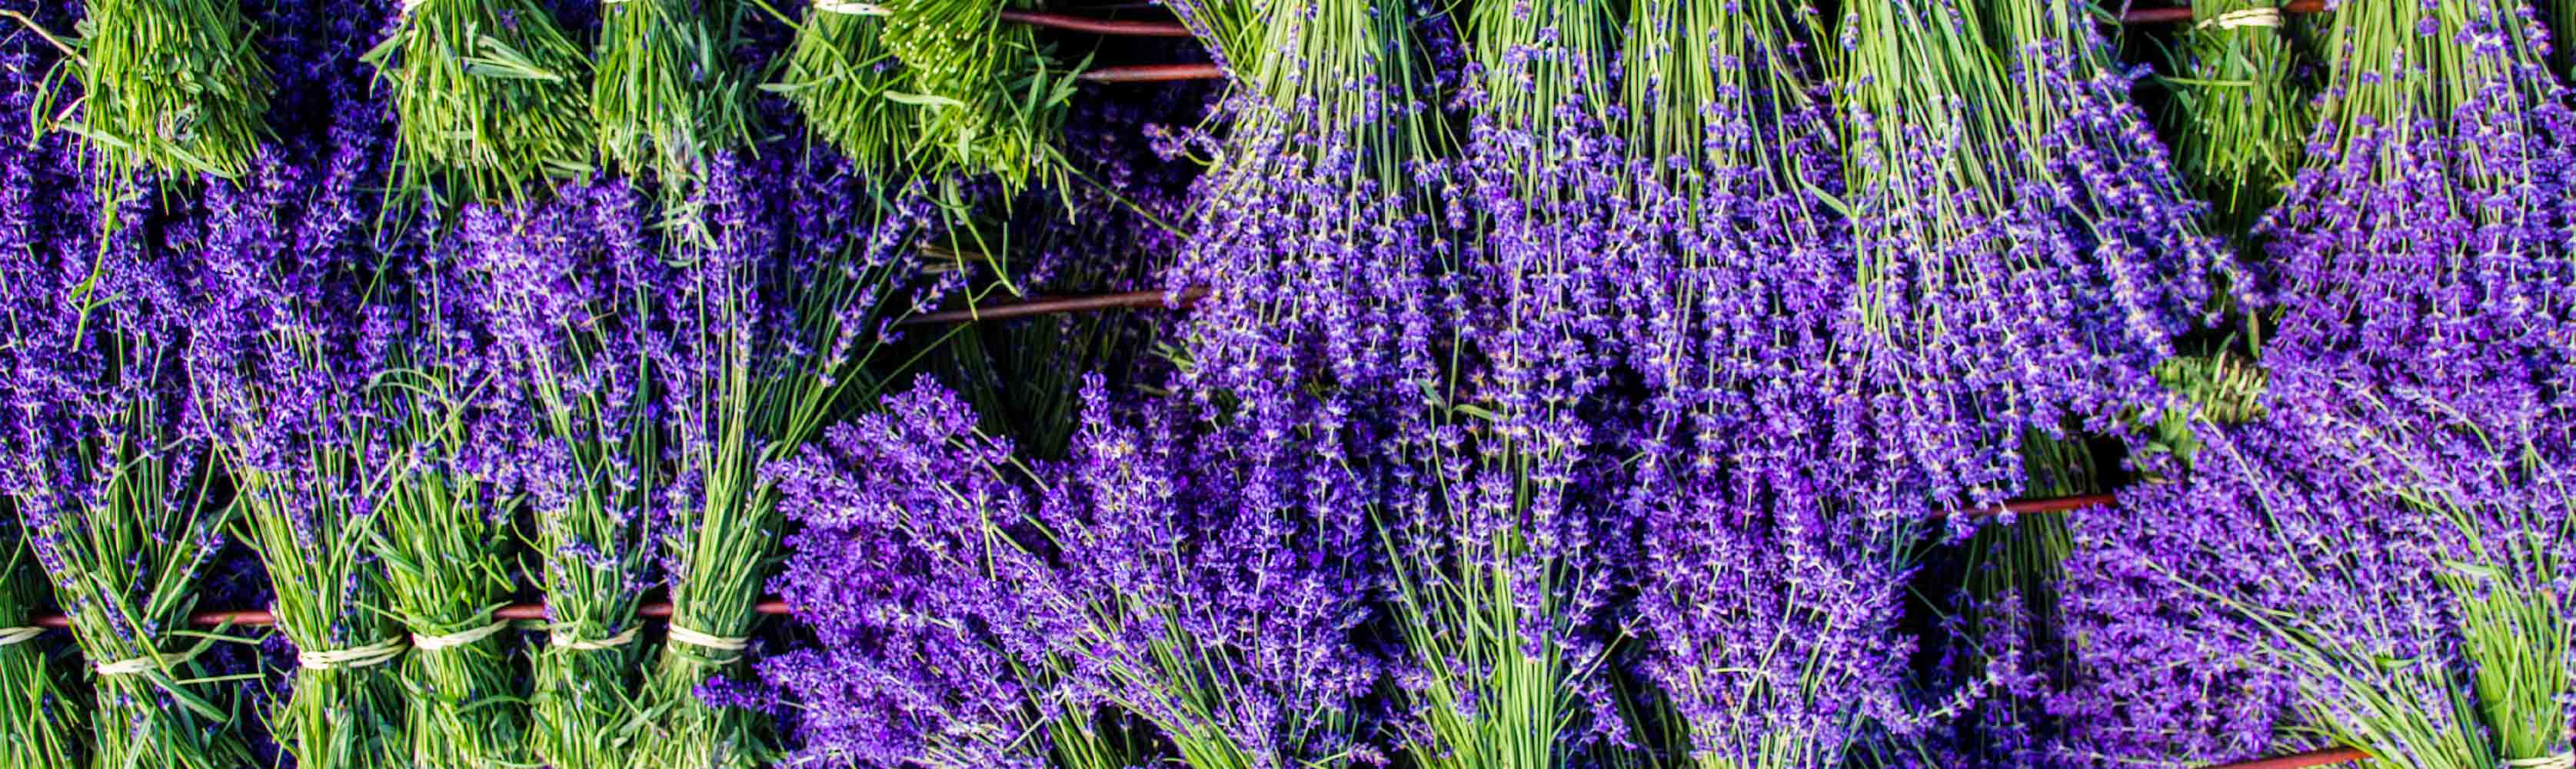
(838, 73)
(34, 697)
(666, 94)
(489, 97)
(2239, 118)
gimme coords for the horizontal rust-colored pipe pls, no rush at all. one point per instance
(2319, 757)
(1132, 300)
(1105, 27)
(1152, 73)
(537, 611)
(2183, 13)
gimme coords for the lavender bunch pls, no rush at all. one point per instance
(2383, 561)
(1771, 559)
(282, 377)
(1214, 592)
(2024, 255)
(2429, 231)
(776, 330)
(446, 521)
(925, 601)
(489, 97)
(44, 724)
(570, 290)
(1500, 574)
(107, 481)
(843, 80)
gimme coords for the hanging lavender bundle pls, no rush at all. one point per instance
(2025, 257)
(1500, 575)
(489, 97)
(571, 290)
(926, 604)
(446, 521)
(107, 480)
(941, 86)
(774, 337)
(667, 94)
(282, 382)
(839, 75)
(1214, 593)
(1769, 599)
(2430, 230)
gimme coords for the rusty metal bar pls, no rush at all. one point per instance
(1153, 73)
(1132, 300)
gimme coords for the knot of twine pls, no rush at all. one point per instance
(2246, 17)
(144, 663)
(431, 643)
(370, 655)
(681, 634)
(12, 636)
(2560, 761)
(409, 5)
(563, 640)
(851, 8)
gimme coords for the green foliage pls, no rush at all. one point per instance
(2239, 113)
(490, 97)
(666, 93)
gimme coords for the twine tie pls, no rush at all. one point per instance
(2560, 761)
(681, 634)
(370, 655)
(851, 8)
(431, 643)
(565, 641)
(143, 664)
(2246, 17)
(13, 636)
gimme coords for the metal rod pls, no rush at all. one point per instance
(1107, 27)
(1132, 300)
(2182, 14)
(2318, 757)
(1153, 73)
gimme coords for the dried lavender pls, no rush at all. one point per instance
(570, 289)
(173, 89)
(282, 380)
(1215, 593)
(2238, 109)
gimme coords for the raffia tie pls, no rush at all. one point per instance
(411, 5)
(851, 8)
(2245, 17)
(143, 664)
(431, 643)
(2560, 761)
(370, 655)
(12, 636)
(565, 641)
(681, 634)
